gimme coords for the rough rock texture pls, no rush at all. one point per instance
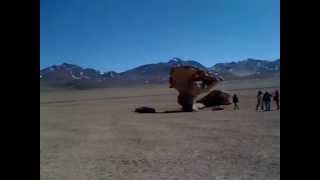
(191, 82)
(216, 98)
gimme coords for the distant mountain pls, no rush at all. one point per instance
(156, 73)
(73, 76)
(69, 75)
(110, 74)
(250, 68)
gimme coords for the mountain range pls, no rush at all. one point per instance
(74, 76)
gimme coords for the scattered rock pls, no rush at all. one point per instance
(215, 98)
(145, 109)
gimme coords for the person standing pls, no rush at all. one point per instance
(267, 101)
(259, 101)
(276, 98)
(235, 101)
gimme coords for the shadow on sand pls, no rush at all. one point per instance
(175, 111)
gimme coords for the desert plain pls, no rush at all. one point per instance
(95, 135)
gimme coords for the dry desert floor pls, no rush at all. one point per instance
(94, 135)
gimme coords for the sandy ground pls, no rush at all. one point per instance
(94, 135)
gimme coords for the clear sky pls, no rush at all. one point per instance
(122, 34)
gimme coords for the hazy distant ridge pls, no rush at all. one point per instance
(74, 76)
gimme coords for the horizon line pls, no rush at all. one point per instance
(160, 62)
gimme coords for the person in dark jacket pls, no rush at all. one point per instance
(267, 101)
(235, 101)
(276, 98)
(259, 101)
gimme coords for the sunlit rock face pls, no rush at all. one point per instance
(191, 82)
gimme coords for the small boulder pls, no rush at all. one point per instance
(145, 109)
(215, 98)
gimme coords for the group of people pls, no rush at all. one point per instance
(263, 100)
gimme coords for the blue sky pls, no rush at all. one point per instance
(122, 34)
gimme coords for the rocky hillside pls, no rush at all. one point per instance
(73, 76)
